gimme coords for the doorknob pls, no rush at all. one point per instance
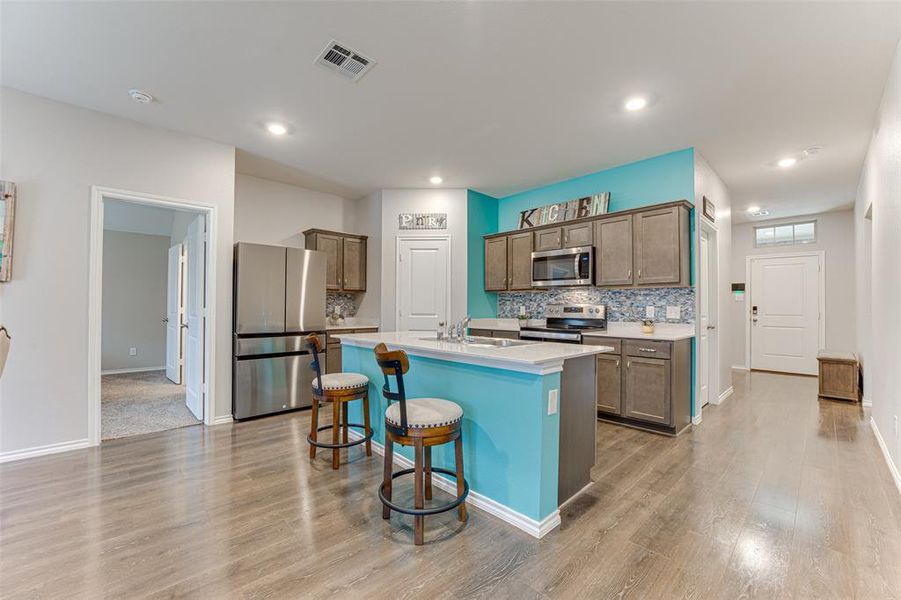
(165, 319)
(184, 325)
(711, 327)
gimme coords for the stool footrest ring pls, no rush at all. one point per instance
(434, 510)
(319, 444)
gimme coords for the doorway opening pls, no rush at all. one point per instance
(149, 318)
(786, 324)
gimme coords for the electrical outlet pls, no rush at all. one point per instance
(552, 402)
(673, 312)
(132, 351)
(649, 312)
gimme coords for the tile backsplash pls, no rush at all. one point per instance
(622, 304)
(347, 302)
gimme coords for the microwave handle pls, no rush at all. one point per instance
(576, 266)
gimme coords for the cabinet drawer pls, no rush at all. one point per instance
(648, 349)
(508, 335)
(480, 332)
(616, 343)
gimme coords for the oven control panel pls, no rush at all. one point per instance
(576, 311)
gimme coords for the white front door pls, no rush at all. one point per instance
(423, 273)
(195, 303)
(785, 313)
(705, 319)
(174, 312)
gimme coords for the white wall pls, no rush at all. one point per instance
(369, 223)
(270, 212)
(835, 236)
(709, 184)
(879, 259)
(394, 202)
(135, 269)
(55, 152)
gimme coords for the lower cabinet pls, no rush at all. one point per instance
(495, 333)
(645, 383)
(333, 347)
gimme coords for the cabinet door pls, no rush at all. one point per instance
(354, 265)
(333, 358)
(519, 265)
(496, 264)
(613, 256)
(549, 239)
(480, 332)
(647, 395)
(578, 235)
(610, 378)
(332, 246)
(657, 246)
(506, 335)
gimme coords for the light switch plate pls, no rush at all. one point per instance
(673, 312)
(552, 402)
(649, 312)
(132, 351)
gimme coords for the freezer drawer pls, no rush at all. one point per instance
(269, 385)
(280, 344)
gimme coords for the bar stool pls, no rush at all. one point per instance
(421, 423)
(339, 389)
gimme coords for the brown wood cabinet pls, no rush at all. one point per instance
(642, 247)
(495, 333)
(345, 269)
(613, 251)
(644, 383)
(333, 352)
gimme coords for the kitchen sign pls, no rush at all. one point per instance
(422, 221)
(589, 206)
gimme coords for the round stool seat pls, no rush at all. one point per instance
(425, 412)
(342, 381)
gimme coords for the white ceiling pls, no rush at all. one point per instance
(497, 96)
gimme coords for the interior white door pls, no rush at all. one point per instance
(174, 313)
(785, 313)
(705, 319)
(195, 303)
(423, 283)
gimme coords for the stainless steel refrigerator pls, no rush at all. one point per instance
(279, 298)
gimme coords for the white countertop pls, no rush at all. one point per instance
(352, 323)
(541, 357)
(666, 332)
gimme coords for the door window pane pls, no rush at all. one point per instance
(764, 236)
(783, 234)
(805, 233)
(786, 234)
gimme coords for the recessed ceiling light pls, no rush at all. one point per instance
(276, 128)
(140, 96)
(760, 213)
(435, 180)
(786, 162)
(753, 209)
(635, 103)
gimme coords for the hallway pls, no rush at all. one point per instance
(143, 402)
(774, 495)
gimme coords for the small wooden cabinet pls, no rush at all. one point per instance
(580, 234)
(644, 383)
(519, 261)
(548, 239)
(613, 251)
(496, 264)
(660, 240)
(345, 258)
(333, 347)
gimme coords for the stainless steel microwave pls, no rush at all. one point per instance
(566, 267)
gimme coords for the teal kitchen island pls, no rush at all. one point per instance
(529, 416)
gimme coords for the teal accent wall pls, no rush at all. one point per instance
(481, 219)
(511, 446)
(650, 181)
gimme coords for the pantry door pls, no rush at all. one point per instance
(423, 283)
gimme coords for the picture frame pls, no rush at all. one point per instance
(709, 209)
(7, 228)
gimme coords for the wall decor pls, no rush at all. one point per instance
(589, 206)
(422, 221)
(709, 209)
(7, 223)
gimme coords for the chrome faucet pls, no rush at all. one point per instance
(458, 331)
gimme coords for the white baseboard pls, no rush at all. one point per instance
(896, 475)
(132, 370)
(44, 450)
(696, 420)
(740, 368)
(866, 402)
(223, 420)
(534, 528)
(722, 397)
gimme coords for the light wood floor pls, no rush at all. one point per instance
(775, 495)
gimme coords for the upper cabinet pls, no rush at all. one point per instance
(645, 247)
(345, 253)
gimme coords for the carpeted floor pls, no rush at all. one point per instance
(136, 403)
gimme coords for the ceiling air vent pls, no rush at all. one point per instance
(344, 60)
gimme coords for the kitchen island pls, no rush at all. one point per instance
(529, 416)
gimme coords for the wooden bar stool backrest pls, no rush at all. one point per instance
(396, 363)
(315, 346)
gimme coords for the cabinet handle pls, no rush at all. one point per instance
(648, 349)
(639, 273)
(629, 276)
(628, 364)
(617, 362)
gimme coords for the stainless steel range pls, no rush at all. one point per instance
(567, 322)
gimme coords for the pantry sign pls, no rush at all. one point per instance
(589, 206)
